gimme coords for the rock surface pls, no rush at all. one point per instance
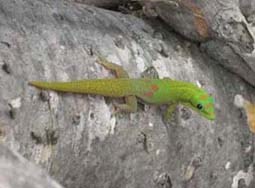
(78, 139)
(223, 28)
(100, 3)
(15, 171)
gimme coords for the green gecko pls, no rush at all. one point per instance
(151, 91)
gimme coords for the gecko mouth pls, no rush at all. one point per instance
(206, 114)
(210, 116)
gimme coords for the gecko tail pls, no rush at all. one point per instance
(56, 86)
(35, 83)
(40, 84)
(104, 87)
(73, 87)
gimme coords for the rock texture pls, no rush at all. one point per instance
(15, 171)
(100, 3)
(222, 27)
(78, 139)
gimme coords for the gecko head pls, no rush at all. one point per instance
(202, 103)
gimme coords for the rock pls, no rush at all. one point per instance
(60, 40)
(220, 26)
(15, 171)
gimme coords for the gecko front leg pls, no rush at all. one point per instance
(169, 112)
(130, 104)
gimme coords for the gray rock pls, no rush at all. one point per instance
(248, 8)
(15, 171)
(78, 139)
(220, 26)
(100, 3)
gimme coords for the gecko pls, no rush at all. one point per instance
(149, 90)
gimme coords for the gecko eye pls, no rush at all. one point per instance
(200, 106)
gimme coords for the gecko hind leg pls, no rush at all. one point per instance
(117, 69)
(130, 104)
(168, 115)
